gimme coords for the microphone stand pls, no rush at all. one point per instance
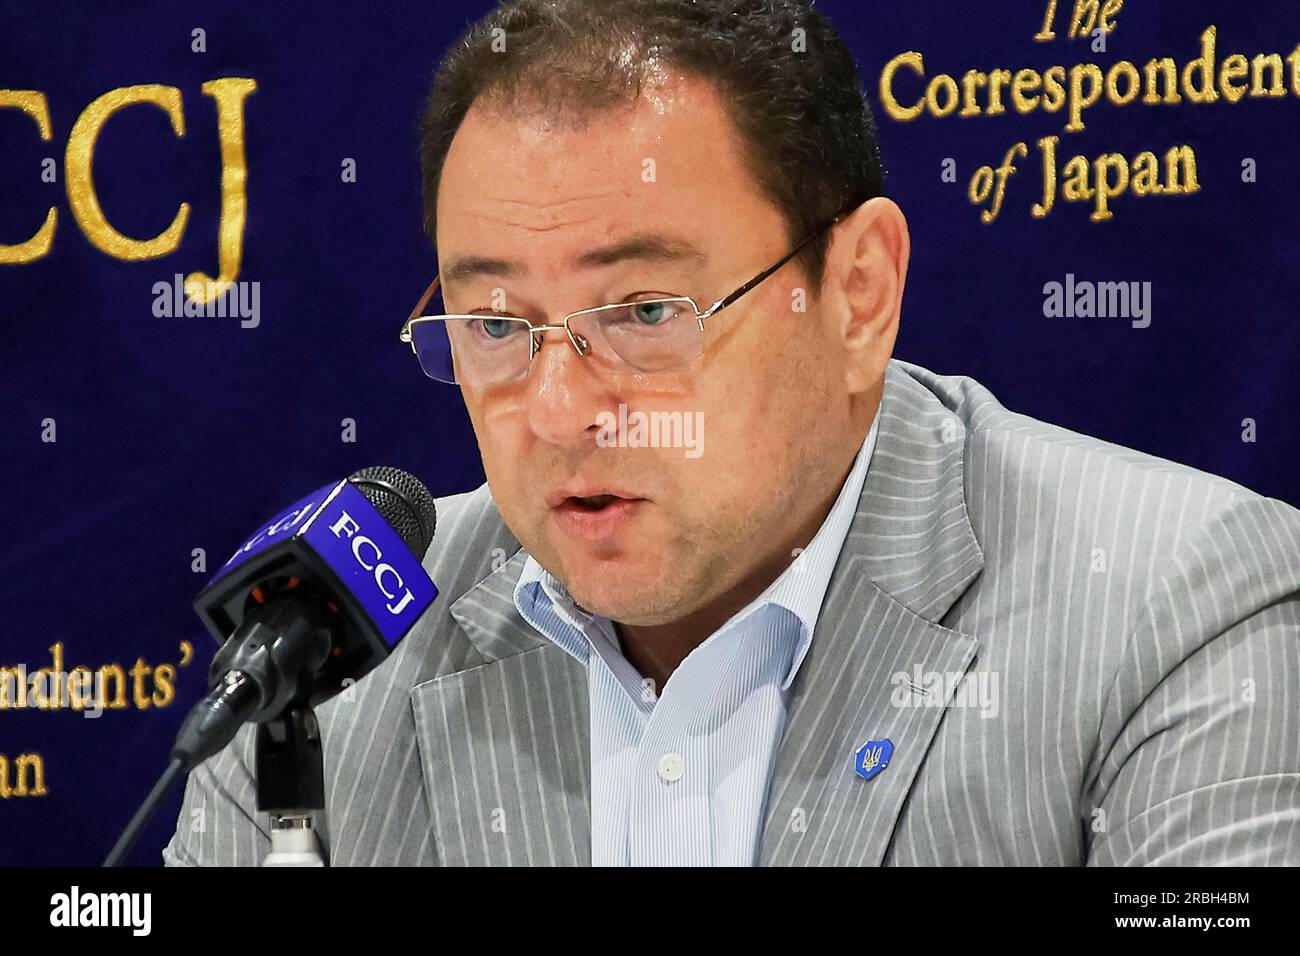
(290, 771)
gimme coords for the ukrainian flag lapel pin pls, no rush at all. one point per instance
(873, 757)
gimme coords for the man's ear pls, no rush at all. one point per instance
(866, 269)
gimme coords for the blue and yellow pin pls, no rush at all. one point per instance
(872, 757)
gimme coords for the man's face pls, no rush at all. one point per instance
(768, 388)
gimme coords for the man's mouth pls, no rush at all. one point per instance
(594, 502)
(592, 497)
(593, 514)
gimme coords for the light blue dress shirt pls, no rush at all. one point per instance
(681, 779)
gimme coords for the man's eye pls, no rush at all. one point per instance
(496, 328)
(655, 313)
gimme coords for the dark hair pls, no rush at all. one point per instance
(798, 105)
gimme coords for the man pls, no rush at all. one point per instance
(873, 618)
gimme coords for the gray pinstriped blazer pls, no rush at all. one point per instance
(1082, 655)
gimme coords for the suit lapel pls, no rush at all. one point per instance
(504, 752)
(909, 554)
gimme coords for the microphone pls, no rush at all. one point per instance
(312, 602)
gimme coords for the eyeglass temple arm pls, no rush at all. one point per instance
(724, 302)
(419, 306)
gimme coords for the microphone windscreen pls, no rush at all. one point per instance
(403, 501)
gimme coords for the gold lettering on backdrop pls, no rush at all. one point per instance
(38, 246)
(27, 768)
(81, 184)
(913, 61)
(92, 692)
(229, 94)
(1204, 79)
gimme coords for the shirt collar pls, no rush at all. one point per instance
(799, 589)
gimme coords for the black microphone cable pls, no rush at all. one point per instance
(127, 840)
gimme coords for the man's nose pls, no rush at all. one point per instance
(564, 394)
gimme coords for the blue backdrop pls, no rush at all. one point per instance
(180, 433)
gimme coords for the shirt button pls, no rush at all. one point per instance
(670, 767)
